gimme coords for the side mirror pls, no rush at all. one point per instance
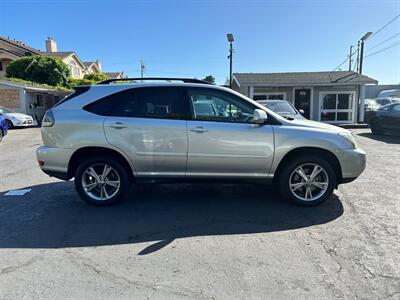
(259, 116)
(301, 111)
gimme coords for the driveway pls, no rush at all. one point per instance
(199, 241)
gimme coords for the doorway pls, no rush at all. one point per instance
(302, 100)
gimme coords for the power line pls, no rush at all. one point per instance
(384, 49)
(373, 47)
(346, 60)
(384, 26)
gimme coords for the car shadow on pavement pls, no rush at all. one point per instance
(53, 216)
(393, 138)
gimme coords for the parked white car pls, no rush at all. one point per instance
(15, 119)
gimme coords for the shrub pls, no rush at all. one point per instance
(96, 77)
(74, 82)
(41, 69)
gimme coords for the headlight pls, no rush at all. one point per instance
(348, 136)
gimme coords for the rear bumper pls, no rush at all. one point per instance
(54, 161)
(352, 162)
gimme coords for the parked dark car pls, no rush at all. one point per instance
(372, 105)
(3, 127)
(385, 119)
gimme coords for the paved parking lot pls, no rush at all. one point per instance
(199, 241)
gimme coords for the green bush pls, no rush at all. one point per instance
(74, 82)
(96, 77)
(26, 82)
(41, 69)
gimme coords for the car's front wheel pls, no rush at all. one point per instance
(1, 134)
(101, 181)
(376, 128)
(307, 180)
(10, 124)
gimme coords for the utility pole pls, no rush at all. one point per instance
(358, 56)
(350, 56)
(361, 57)
(142, 67)
(363, 39)
(230, 40)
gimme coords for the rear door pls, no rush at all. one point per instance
(149, 125)
(223, 140)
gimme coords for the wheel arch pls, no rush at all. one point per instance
(311, 151)
(84, 153)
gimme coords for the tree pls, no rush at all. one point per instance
(209, 78)
(96, 77)
(41, 69)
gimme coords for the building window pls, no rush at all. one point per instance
(270, 96)
(1, 66)
(39, 100)
(337, 107)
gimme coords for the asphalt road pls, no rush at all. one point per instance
(199, 241)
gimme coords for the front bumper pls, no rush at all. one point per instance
(25, 123)
(352, 162)
(54, 161)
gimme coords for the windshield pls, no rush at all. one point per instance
(4, 110)
(280, 107)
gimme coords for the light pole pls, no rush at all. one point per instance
(363, 39)
(230, 40)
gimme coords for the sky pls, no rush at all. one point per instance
(188, 38)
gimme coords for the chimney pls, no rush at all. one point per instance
(51, 45)
(98, 64)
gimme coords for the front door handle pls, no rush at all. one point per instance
(117, 125)
(198, 129)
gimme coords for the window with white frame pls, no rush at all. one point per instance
(337, 107)
(270, 96)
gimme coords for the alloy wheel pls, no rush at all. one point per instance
(308, 182)
(101, 182)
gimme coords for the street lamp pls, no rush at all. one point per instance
(363, 39)
(230, 40)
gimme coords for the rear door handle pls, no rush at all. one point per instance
(117, 125)
(198, 129)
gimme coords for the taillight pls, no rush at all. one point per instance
(48, 119)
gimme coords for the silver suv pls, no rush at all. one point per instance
(109, 135)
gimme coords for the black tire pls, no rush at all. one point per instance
(10, 124)
(376, 128)
(1, 135)
(289, 168)
(97, 162)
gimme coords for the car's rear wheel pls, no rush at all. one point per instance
(10, 124)
(1, 134)
(376, 128)
(101, 181)
(307, 180)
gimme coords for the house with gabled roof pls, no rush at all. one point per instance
(332, 97)
(11, 50)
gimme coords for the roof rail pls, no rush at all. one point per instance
(185, 80)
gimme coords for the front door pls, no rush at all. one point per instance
(222, 139)
(302, 100)
(393, 119)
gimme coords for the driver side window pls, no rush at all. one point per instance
(209, 105)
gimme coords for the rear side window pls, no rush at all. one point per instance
(152, 102)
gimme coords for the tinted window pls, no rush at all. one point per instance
(154, 102)
(396, 109)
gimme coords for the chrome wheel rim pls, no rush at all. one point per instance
(101, 182)
(308, 182)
